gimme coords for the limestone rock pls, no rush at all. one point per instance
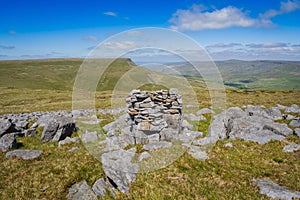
(30, 132)
(273, 113)
(197, 153)
(229, 145)
(275, 191)
(100, 187)
(68, 140)
(6, 127)
(119, 169)
(297, 132)
(157, 145)
(7, 142)
(193, 117)
(73, 149)
(188, 136)
(24, 154)
(293, 109)
(295, 122)
(58, 129)
(291, 147)
(81, 191)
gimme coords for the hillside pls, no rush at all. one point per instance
(261, 74)
(56, 74)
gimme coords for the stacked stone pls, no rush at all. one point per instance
(154, 111)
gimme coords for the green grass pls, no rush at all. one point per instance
(49, 176)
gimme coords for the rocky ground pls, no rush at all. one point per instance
(124, 155)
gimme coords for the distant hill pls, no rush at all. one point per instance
(60, 74)
(261, 74)
(57, 74)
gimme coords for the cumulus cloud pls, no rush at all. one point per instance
(6, 47)
(264, 19)
(196, 18)
(91, 38)
(119, 45)
(110, 13)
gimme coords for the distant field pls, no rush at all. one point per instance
(265, 75)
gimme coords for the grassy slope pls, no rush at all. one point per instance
(227, 174)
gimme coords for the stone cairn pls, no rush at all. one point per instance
(153, 112)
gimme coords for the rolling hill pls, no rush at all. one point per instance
(261, 74)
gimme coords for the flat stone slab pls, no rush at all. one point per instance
(157, 145)
(275, 191)
(24, 154)
(81, 191)
(291, 147)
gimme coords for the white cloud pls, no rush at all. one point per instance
(268, 45)
(289, 6)
(195, 19)
(109, 13)
(91, 38)
(264, 19)
(270, 50)
(222, 45)
(119, 45)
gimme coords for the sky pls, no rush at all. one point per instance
(229, 29)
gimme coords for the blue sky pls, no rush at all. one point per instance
(229, 29)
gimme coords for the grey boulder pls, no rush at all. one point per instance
(297, 132)
(6, 127)
(197, 153)
(81, 191)
(275, 191)
(8, 141)
(119, 169)
(295, 122)
(24, 154)
(291, 147)
(58, 129)
(68, 140)
(100, 187)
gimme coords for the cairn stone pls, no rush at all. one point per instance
(153, 112)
